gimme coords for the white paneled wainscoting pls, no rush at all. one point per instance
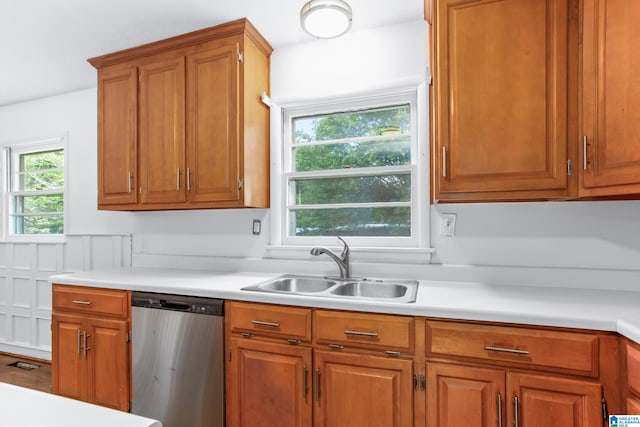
(25, 292)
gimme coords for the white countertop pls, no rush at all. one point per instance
(616, 311)
(23, 407)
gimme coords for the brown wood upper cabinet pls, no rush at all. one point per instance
(500, 99)
(535, 99)
(181, 124)
(610, 152)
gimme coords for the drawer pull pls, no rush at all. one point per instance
(294, 341)
(506, 350)
(262, 323)
(79, 302)
(247, 335)
(361, 333)
(336, 346)
(392, 353)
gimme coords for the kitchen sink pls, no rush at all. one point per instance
(398, 291)
(371, 290)
(298, 285)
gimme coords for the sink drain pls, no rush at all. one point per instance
(24, 365)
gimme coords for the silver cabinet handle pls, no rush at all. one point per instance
(585, 143)
(444, 161)
(499, 399)
(178, 179)
(263, 323)
(317, 385)
(129, 183)
(361, 333)
(506, 350)
(79, 302)
(188, 179)
(79, 338)
(84, 339)
(305, 371)
(515, 410)
(392, 353)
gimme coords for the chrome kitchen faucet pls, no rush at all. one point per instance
(342, 260)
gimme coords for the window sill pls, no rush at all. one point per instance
(358, 254)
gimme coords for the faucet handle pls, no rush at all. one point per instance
(345, 249)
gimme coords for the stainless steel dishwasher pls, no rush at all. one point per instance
(178, 359)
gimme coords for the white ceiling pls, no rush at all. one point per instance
(45, 43)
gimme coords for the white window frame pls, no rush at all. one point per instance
(398, 249)
(11, 153)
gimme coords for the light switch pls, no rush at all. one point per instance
(448, 225)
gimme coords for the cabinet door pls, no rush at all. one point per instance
(360, 390)
(108, 363)
(212, 128)
(553, 401)
(161, 112)
(69, 375)
(117, 135)
(500, 99)
(269, 384)
(611, 96)
(463, 396)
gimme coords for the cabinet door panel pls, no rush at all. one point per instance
(500, 98)
(161, 109)
(69, 377)
(108, 363)
(117, 135)
(212, 131)
(363, 391)
(462, 396)
(611, 93)
(267, 384)
(554, 401)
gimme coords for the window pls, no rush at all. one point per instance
(351, 170)
(35, 188)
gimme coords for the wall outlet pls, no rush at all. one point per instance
(448, 224)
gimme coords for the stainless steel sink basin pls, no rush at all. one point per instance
(397, 291)
(298, 285)
(371, 290)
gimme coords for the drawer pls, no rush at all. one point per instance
(97, 301)
(270, 320)
(388, 332)
(573, 352)
(633, 369)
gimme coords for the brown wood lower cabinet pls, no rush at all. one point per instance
(90, 346)
(307, 367)
(469, 396)
(270, 384)
(278, 375)
(362, 390)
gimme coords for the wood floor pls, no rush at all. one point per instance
(37, 379)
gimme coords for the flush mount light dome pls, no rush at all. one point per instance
(326, 19)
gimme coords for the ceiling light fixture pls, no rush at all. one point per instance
(326, 19)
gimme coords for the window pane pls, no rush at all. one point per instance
(380, 121)
(361, 189)
(53, 224)
(39, 204)
(30, 181)
(377, 137)
(42, 160)
(357, 154)
(41, 170)
(351, 222)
